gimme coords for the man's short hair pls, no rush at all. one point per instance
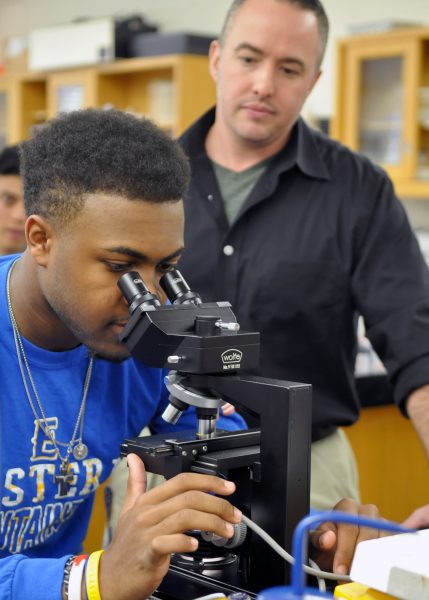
(99, 151)
(9, 161)
(314, 6)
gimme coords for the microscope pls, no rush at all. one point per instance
(210, 359)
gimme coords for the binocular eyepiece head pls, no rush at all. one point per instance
(173, 284)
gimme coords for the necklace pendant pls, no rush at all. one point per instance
(64, 479)
(80, 451)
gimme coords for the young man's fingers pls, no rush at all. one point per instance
(189, 519)
(324, 538)
(193, 499)
(189, 481)
(137, 481)
(350, 535)
(418, 519)
(163, 545)
(368, 533)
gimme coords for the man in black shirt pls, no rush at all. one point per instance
(301, 234)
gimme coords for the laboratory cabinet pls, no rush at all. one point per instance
(382, 103)
(173, 90)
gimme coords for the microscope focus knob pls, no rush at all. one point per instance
(240, 531)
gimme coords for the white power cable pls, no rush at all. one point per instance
(320, 582)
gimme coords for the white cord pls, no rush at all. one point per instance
(320, 582)
(287, 557)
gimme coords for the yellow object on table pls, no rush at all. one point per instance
(357, 591)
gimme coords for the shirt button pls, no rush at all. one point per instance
(210, 197)
(228, 250)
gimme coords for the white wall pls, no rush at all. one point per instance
(20, 16)
(205, 16)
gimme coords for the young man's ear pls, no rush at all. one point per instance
(39, 238)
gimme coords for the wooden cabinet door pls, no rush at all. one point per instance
(378, 101)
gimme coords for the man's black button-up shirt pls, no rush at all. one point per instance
(320, 239)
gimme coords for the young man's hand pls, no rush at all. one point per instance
(333, 544)
(152, 526)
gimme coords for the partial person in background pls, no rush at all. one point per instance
(12, 214)
(301, 235)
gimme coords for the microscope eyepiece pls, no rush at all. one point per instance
(177, 290)
(136, 292)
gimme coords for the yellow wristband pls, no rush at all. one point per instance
(91, 576)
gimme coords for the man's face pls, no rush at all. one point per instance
(110, 236)
(267, 66)
(12, 215)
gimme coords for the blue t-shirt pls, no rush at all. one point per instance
(38, 528)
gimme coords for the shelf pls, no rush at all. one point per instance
(173, 90)
(134, 65)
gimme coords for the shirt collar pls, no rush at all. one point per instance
(301, 150)
(308, 152)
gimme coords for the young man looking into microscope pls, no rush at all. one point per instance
(103, 194)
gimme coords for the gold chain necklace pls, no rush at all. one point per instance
(76, 444)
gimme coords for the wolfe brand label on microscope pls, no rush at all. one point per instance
(231, 359)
